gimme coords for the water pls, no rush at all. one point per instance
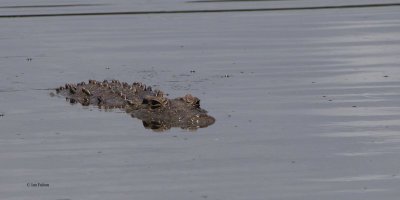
(306, 102)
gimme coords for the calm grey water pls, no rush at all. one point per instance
(306, 102)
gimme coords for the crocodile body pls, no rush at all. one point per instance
(156, 111)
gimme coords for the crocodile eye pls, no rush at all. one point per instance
(191, 100)
(155, 104)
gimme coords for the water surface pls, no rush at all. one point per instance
(306, 102)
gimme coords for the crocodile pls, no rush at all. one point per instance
(140, 101)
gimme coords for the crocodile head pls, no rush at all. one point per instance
(160, 113)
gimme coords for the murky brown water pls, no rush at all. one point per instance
(306, 102)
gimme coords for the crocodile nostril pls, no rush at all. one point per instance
(205, 120)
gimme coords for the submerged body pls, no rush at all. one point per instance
(156, 111)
